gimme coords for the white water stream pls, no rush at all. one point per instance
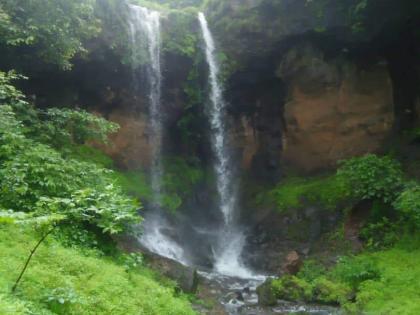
(144, 27)
(231, 238)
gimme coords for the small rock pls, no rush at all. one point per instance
(306, 251)
(239, 296)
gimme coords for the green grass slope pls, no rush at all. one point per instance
(64, 281)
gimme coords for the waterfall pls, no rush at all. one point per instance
(231, 239)
(145, 25)
(144, 28)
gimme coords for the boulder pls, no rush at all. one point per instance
(292, 264)
(186, 277)
(266, 294)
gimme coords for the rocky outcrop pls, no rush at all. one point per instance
(266, 294)
(293, 263)
(244, 139)
(185, 277)
(130, 147)
(335, 110)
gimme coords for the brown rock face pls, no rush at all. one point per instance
(244, 139)
(130, 147)
(292, 264)
(334, 111)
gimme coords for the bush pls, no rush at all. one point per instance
(311, 270)
(371, 177)
(329, 292)
(382, 234)
(34, 177)
(51, 30)
(292, 288)
(408, 203)
(355, 270)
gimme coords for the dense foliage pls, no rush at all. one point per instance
(372, 177)
(56, 191)
(35, 177)
(55, 37)
(365, 282)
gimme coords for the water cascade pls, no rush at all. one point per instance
(145, 25)
(231, 238)
(144, 28)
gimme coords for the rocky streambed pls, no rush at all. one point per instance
(239, 297)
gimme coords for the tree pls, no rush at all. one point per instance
(53, 30)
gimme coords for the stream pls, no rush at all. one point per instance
(239, 297)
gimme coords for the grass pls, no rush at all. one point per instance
(397, 292)
(292, 193)
(64, 281)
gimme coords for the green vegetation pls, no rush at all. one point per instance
(180, 179)
(383, 282)
(294, 193)
(60, 203)
(372, 177)
(68, 281)
(363, 178)
(55, 37)
(380, 280)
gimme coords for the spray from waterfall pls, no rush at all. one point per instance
(232, 239)
(144, 27)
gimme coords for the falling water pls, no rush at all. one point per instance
(144, 27)
(232, 239)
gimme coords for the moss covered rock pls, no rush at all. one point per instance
(292, 288)
(266, 293)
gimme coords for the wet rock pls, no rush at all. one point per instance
(292, 264)
(186, 277)
(306, 251)
(266, 295)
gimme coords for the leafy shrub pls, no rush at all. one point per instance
(329, 292)
(60, 300)
(106, 208)
(131, 261)
(61, 127)
(408, 203)
(76, 236)
(311, 270)
(55, 37)
(88, 153)
(381, 234)
(34, 170)
(37, 178)
(355, 270)
(372, 177)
